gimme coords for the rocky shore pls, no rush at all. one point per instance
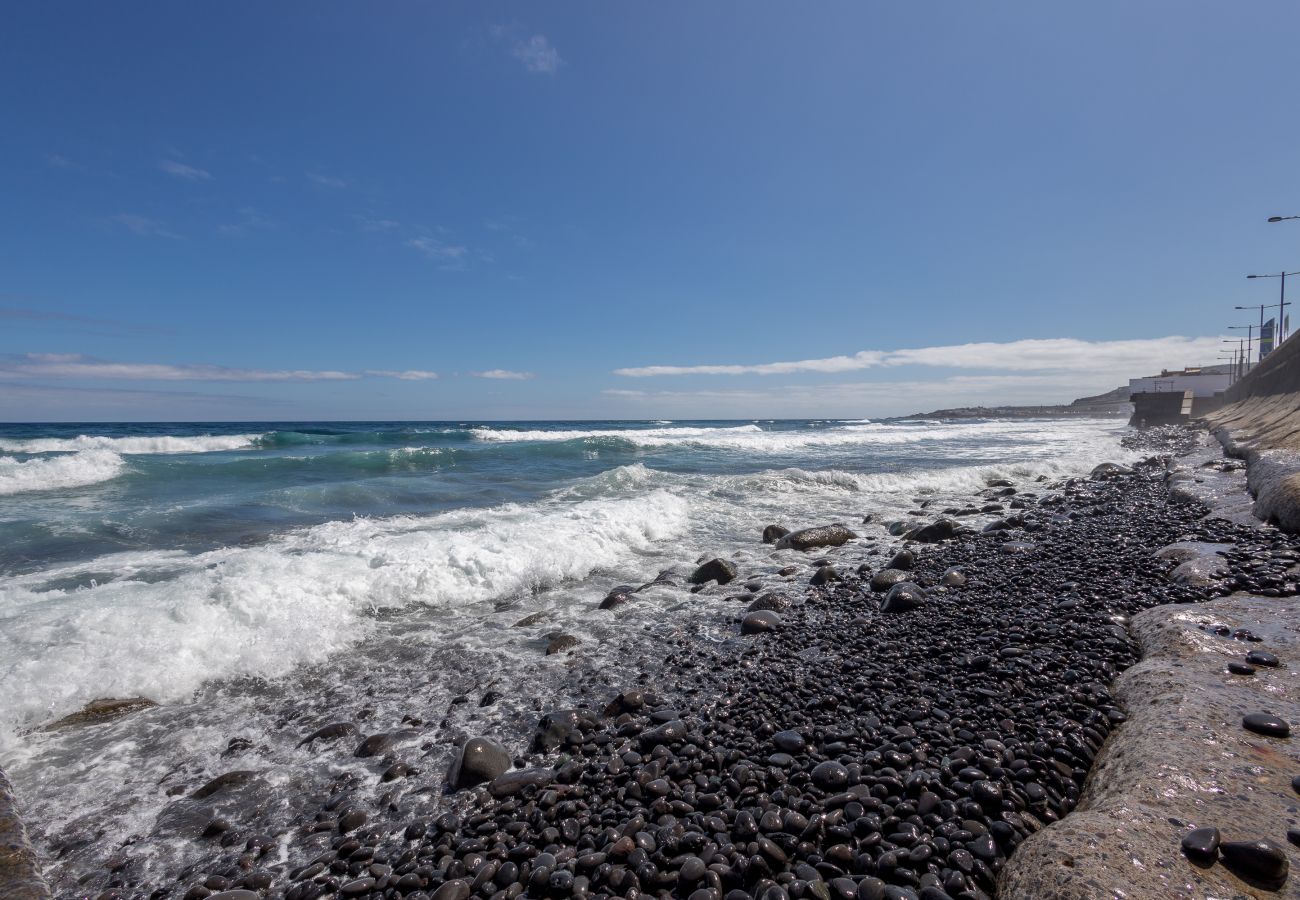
(895, 731)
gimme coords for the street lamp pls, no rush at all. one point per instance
(1281, 218)
(1250, 339)
(1239, 342)
(1261, 307)
(1281, 306)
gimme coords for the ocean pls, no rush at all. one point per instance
(258, 580)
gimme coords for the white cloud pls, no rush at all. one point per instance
(180, 170)
(76, 365)
(403, 375)
(862, 399)
(538, 55)
(325, 180)
(505, 374)
(436, 249)
(144, 226)
(1126, 358)
(863, 360)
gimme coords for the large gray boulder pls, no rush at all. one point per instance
(820, 536)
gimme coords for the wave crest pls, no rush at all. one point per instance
(53, 473)
(162, 443)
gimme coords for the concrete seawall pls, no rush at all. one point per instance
(1261, 424)
(20, 876)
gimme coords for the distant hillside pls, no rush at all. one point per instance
(1111, 403)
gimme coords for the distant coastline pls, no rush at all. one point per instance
(1112, 403)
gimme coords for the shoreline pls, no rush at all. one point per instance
(883, 786)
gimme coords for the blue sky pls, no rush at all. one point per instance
(585, 210)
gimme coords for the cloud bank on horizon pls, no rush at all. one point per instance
(1028, 371)
(1028, 355)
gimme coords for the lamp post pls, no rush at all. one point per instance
(1261, 307)
(1239, 342)
(1281, 305)
(1250, 339)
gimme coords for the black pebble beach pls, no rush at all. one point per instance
(840, 751)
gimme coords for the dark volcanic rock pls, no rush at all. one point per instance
(760, 622)
(1109, 470)
(480, 759)
(936, 531)
(1259, 861)
(772, 601)
(509, 783)
(774, 533)
(1201, 845)
(887, 578)
(1262, 658)
(617, 597)
(903, 560)
(561, 727)
(1264, 723)
(719, 570)
(824, 575)
(811, 538)
(561, 643)
(330, 732)
(222, 782)
(903, 597)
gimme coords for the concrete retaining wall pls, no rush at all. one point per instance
(1261, 424)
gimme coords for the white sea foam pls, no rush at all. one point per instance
(171, 621)
(54, 473)
(162, 443)
(753, 439)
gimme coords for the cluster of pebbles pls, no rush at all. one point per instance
(879, 734)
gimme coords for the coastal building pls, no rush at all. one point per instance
(1202, 381)
(1175, 396)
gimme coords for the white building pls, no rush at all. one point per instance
(1202, 382)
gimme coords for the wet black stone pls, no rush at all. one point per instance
(719, 570)
(760, 622)
(1237, 668)
(1263, 658)
(903, 597)
(887, 578)
(1260, 861)
(774, 533)
(1201, 845)
(1266, 724)
(903, 560)
(830, 776)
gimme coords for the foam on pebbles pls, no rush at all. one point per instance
(846, 753)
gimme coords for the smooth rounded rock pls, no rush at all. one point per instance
(830, 776)
(760, 622)
(902, 597)
(1201, 845)
(1266, 724)
(480, 759)
(1259, 860)
(720, 570)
